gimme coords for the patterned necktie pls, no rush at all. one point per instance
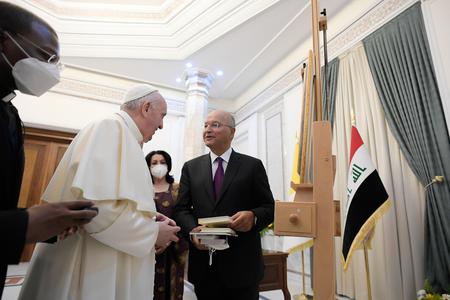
(218, 177)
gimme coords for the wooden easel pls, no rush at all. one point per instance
(312, 214)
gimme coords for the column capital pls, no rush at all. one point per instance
(198, 81)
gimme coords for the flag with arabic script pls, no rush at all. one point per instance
(367, 199)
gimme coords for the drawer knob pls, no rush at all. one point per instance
(293, 218)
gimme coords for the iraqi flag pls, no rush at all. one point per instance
(367, 199)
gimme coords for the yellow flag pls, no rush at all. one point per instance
(295, 178)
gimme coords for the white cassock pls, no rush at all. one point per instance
(113, 257)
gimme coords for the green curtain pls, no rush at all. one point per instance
(332, 77)
(400, 61)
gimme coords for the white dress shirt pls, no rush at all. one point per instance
(214, 164)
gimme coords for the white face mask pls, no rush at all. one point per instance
(32, 76)
(159, 171)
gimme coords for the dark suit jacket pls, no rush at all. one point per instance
(13, 222)
(245, 187)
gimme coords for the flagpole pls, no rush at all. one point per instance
(366, 260)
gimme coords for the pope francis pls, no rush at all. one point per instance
(113, 256)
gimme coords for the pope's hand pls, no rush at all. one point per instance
(159, 250)
(242, 221)
(48, 220)
(160, 217)
(195, 240)
(167, 233)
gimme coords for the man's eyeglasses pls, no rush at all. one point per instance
(53, 58)
(215, 125)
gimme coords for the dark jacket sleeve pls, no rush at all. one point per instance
(183, 214)
(265, 211)
(13, 229)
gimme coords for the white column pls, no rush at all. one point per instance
(198, 82)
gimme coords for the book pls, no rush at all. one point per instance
(218, 230)
(215, 231)
(221, 221)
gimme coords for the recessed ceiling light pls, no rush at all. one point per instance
(178, 79)
(219, 73)
(188, 65)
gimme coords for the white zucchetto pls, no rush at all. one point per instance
(137, 92)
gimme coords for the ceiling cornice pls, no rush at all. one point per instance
(93, 11)
(174, 31)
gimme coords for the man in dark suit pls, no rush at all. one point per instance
(29, 51)
(220, 183)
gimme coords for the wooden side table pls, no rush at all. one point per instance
(275, 273)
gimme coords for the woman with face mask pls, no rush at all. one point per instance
(170, 261)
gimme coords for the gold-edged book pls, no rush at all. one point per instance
(221, 221)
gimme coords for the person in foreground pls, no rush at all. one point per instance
(113, 257)
(171, 260)
(29, 53)
(220, 183)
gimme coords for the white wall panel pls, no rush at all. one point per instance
(274, 151)
(246, 137)
(293, 100)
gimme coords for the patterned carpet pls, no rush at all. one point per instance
(16, 275)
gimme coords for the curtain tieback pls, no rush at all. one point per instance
(438, 179)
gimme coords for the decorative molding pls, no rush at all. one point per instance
(247, 131)
(83, 89)
(94, 10)
(198, 82)
(45, 134)
(371, 21)
(269, 95)
(275, 109)
(107, 94)
(240, 137)
(176, 107)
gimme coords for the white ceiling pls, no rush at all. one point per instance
(152, 40)
(129, 2)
